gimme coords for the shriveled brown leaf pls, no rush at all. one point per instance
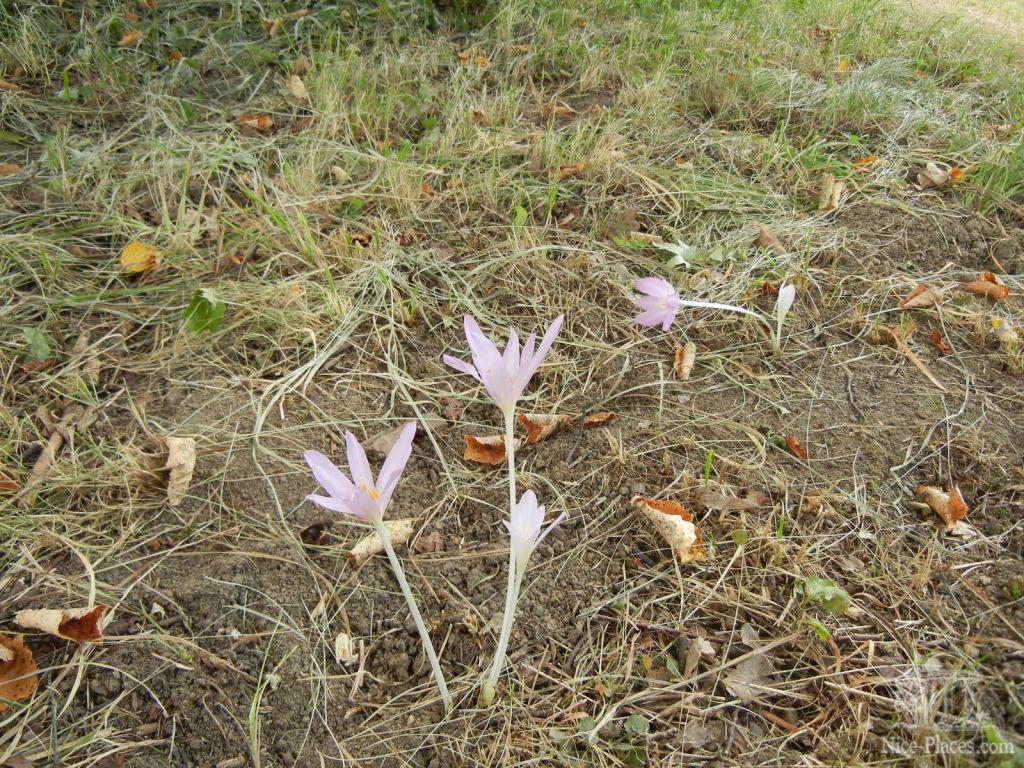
(766, 241)
(933, 175)
(9, 169)
(592, 420)
(398, 530)
(7, 485)
(923, 296)
(676, 526)
(986, 284)
(81, 625)
(830, 193)
(541, 425)
(721, 503)
(489, 449)
(317, 534)
(130, 37)
(431, 542)
(948, 505)
(686, 356)
(938, 343)
(574, 169)
(749, 679)
(181, 463)
(795, 448)
(254, 125)
(557, 109)
(18, 680)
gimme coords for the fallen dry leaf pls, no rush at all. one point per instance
(130, 37)
(933, 175)
(698, 649)
(316, 534)
(722, 503)
(345, 650)
(81, 625)
(9, 169)
(541, 425)
(566, 171)
(686, 355)
(986, 284)
(864, 162)
(923, 296)
(948, 505)
(766, 241)
(489, 449)
(559, 109)
(830, 193)
(398, 530)
(597, 419)
(795, 448)
(6, 85)
(431, 542)
(181, 463)
(7, 485)
(749, 679)
(271, 26)
(254, 125)
(297, 87)
(139, 257)
(18, 680)
(676, 526)
(938, 343)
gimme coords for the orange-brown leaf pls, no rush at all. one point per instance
(948, 505)
(254, 125)
(77, 624)
(541, 425)
(130, 37)
(923, 296)
(676, 526)
(686, 355)
(571, 170)
(597, 419)
(487, 450)
(9, 169)
(986, 284)
(7, 485)
(862, 162)
(18, 680)
(939, 344)
(795, 448)
(766, 241)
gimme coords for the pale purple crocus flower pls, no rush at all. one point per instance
(503, 374)
(362, 496)
(525, 528)
(660, 302)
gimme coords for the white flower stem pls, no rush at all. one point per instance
(511, 592)
(428, 646)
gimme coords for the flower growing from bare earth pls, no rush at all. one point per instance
(524, 527)
(787, 295)
(505, 375)
(367, 498)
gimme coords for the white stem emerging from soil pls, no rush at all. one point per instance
(428, 646)
(511, 591)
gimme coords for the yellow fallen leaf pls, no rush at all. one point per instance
(139, 257)
(130, 37)
(948, 505)
(8, 169)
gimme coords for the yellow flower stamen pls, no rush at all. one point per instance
(371, 492)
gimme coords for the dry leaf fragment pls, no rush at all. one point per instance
(345, 650)
(432, 542)
(130, 37)
(986, 284)
(830, 193)
(749, 679)
(9, 169)
(139, 257)
(795, 448)
(933, 175)
(6, 85)
(923, 296)
(719, 502)
(18, 680)
(766, 241)
(597, 419)
(541, 425)
(316, 534)
(297, 87)
(566, 171)
(487, 450)
(938, 343)
(254, 125)
(699, 648)
(181, 461)
(398, 530)
(560, 109)
(81, 625)
(686, 355)
(948, 505)
(7, 485)
(676, 526)
(864, 162)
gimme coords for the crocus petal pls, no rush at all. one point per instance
(547, 530)
(527, 355)
(485, 354)
(358, 466)
(654, 286)
(787, 295)
(669, 319)
(334, 504)
(328, 475)
(649, 303)
(461, 365)
(511, 356)
(651, 318)
(527, 369)
(397, 458)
